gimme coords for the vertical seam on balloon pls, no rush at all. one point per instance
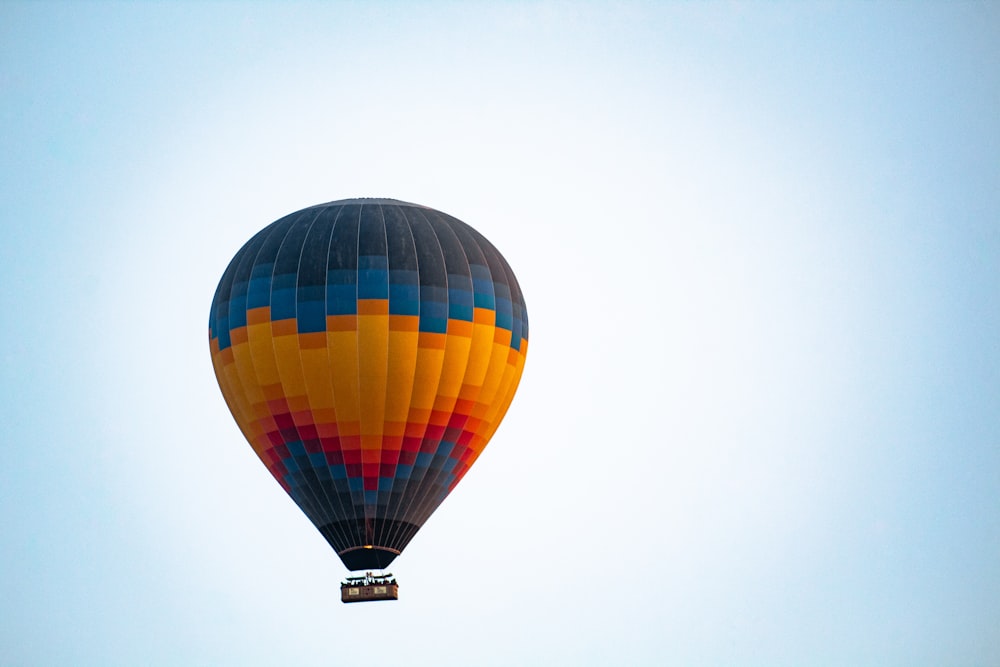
(381, 525)
(350, 514)
(342, 515)
(328, 503)
(326, 507)
(357, 374)
(381, 438)
(320, 494)
(377, 531)
(358, 515)
(396, 517)
(429, 501)
(413, 507)
(401, 535)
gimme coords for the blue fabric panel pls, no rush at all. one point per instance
(373, 284)
(223, 329)
(311, 316)
(238, 308)
(505, 318)
(282, 304)
(311, 308)
(404, 299)
(341, 300)
(482, 284)
(460, 304)
(404, 292)
(430, 324)
(259, 292)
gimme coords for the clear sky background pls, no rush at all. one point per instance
(760, 245)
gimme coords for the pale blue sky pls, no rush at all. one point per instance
(760, 245)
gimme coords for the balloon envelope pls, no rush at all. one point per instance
(368, 349)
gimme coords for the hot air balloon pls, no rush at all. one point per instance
(368, 350)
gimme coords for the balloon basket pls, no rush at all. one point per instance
(369, 588)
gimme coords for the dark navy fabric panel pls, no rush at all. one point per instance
(218, 322)
(343, 255)
(480, 281)
(315, 249)
(371, 232)
(404, 278)
(342, 264)
(290, 252)
(459, 275)
(286, 267)
(241, 282)
(432, 274)
(399, 240)
(310, 296)
(504, 310)
(455, 260)
(430, 259)
(507, 300)
(262, 273)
